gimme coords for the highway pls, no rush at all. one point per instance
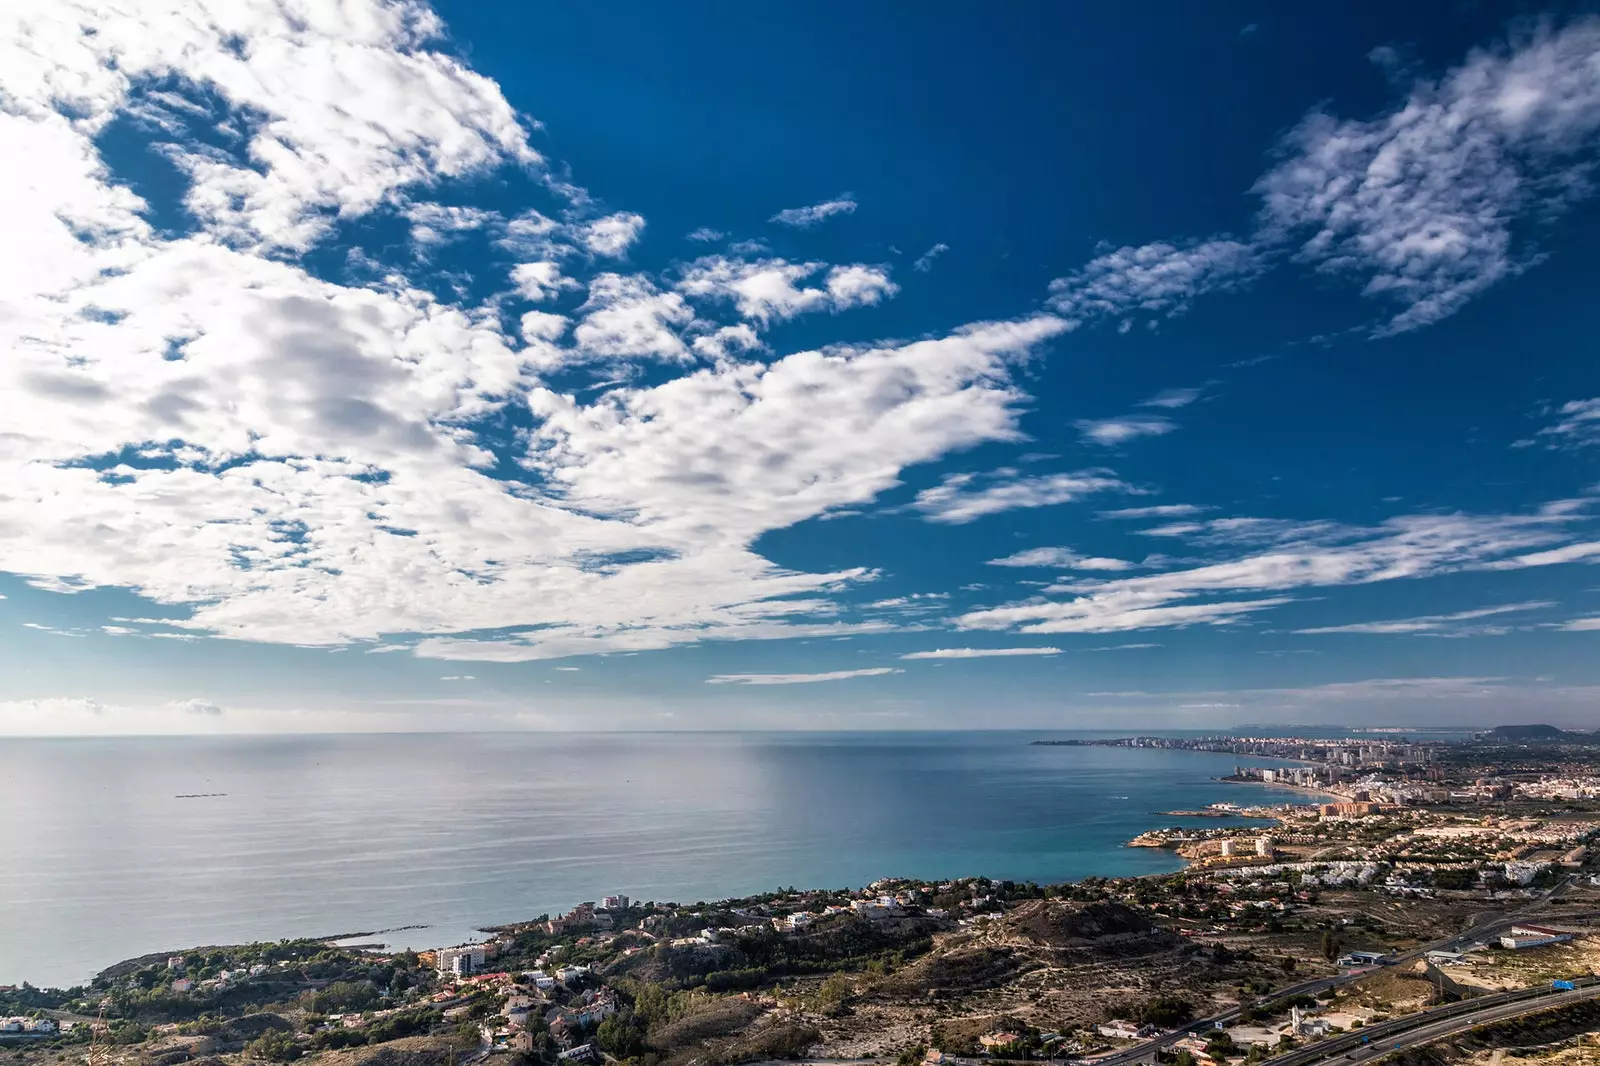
(1427, 1026)
(1147, 1050)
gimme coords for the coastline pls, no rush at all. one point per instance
(499, 873)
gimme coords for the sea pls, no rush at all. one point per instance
(120, 847)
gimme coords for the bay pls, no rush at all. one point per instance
(123, 846)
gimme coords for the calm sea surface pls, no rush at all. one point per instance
(321, 835)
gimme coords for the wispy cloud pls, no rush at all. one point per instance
(1437, 624)
(1577, 425)
(1283, 557)
(1154, 279)
(924, 262)
(1160, 510)
(980, 653)
(1420, 204)
(1061, 558)
(705, 233)
(803, 217)
(799, 679)
(964, 498)
(1170, 398)
(1109, 432)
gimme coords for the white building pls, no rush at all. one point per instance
(618, 902)
(461, 961)
(1264, 847)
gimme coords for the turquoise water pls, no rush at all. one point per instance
(324, 835)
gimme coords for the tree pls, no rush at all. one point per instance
(274, 1045)
(1330, 945)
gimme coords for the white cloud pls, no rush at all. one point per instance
(1581, 625)
(1170, 398)
(1158, 278)
(628, 316)
(1109, 432)
(959, 499)
(1578, 425)
(1060, 558)
(349, 104)
(803, 217)
(1437, 624)
(798, 679)
(280, 458)
(458, 677)
(1160, 510)
(542, 326)
(728, 341)
(540, 281)
(434, 224)
(980, 653)
(770, 289)
(924, 262)
(705, 233)
(613, 235)
(1285, 556)
(1420, 203)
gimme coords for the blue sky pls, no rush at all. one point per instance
(500, 366)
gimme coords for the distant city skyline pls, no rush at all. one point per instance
(476, 366)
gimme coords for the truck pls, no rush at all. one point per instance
(1562, 986)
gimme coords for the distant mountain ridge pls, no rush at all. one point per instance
(1539, 732)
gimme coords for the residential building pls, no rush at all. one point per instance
(183, 984)
(618, 902)
(581, 1053)
(460, 961)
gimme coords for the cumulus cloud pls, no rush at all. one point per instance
(540, 281)
(613, 235)
(629, 317)
(980, 653)
(348, 106)
(200, 419)
(798, 679)
(962, 498)
(804, 217)
(771, 289)
(1109, 432)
